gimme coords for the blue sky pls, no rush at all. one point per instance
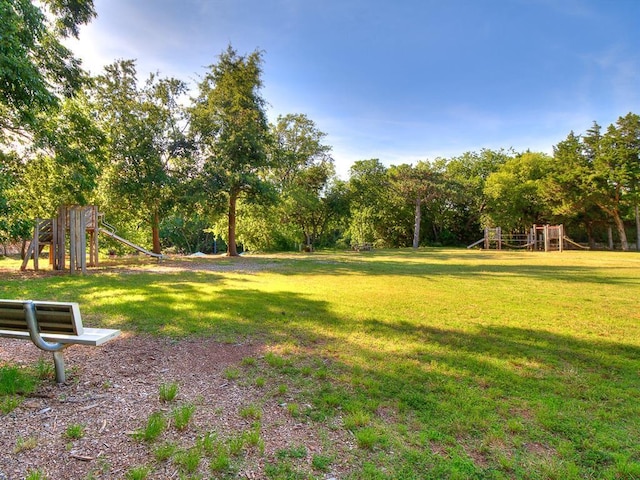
(400, 80)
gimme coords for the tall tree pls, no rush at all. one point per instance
(615, 162)
(515, 192)
(229, 122)
(627, 143)
(35, 67)
(465, 178)
(368, 193)
(416, 185)
(569, 188)
(313, 201)
(14, 222)
(303, 170)
(147, 143)
(298, 145)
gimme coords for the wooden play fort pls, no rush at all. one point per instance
(75, 227)
(546, 238)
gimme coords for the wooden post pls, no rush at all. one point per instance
(486, 238)
(82, 233)
(532, 238)
(499, 237)
(72, 239)
(36, 244)
(93, 238)
(546, 237)
(61, 238)
(561, 237)
(53, 249)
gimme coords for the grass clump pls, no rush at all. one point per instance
(167, 392)
(165, 451)
(249, 362)
(188, 460)
(275, 361)
(156, 424)
(35, 475)
(17, 382)
(23, 444)
(253, 438)
(299, 451)
(182, 416)
(74, 431)
(283, 470)
(356, 420)
(251, 411)
(321, 462)
(138, 473)
(232, 373)
(293, 409)
(368, 437)
(9, 403)
(235, 444)
(220, 462)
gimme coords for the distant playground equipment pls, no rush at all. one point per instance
(546, 238)
(77, 223)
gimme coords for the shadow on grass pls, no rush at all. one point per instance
(463, 264)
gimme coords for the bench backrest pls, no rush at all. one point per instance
(53, 317)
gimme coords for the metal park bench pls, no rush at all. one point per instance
(51, 326)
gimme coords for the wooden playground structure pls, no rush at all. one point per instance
(75, 226)
(548, 238)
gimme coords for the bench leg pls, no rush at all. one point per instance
(58, 361)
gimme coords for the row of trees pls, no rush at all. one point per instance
(179, 171)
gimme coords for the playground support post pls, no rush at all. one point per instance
(60, 238)
(77, 240)
(36, 244)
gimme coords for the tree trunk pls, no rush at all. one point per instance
(610, 236)
(155, 233)
(637, 228)
(621, 232)
(591, 240)
(232, 250)
(416, 227)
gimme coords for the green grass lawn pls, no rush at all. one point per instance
(443, 363)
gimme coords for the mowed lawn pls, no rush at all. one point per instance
(443, 363)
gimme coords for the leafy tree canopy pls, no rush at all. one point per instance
(36, 69)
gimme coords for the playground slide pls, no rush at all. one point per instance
(128, 243)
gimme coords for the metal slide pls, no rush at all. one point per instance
(128, 243)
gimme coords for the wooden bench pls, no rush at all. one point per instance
(51, 326)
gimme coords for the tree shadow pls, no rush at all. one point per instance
(462, 264)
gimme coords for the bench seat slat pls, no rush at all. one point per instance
(53, 317)
(91, 336)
